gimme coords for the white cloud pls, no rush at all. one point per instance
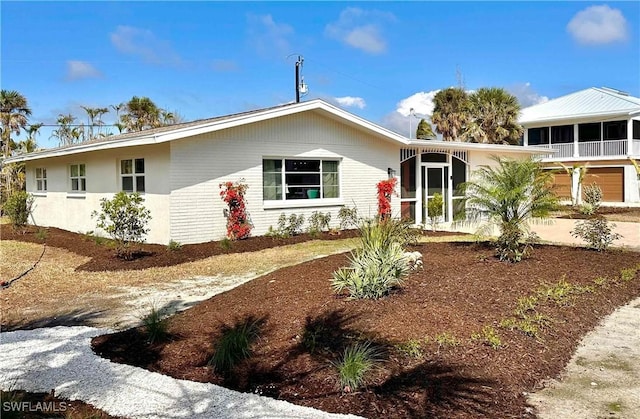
(526, 95)
(77, 70)
(598, 25)
(268, 36)
(144, 44)
(361, 29)
(350, 101)
(401, 120)
(224, 66)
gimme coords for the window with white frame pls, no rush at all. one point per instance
(291, 179)
(77, 175)
(41, 179)
(132, 175)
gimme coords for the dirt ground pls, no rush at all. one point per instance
(628, 214)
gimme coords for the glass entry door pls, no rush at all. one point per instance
(435, 180)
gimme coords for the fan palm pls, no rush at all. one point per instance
(493, 117)
(141, 113)
(450, 113)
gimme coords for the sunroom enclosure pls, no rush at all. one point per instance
(426, 172)
(618, 138)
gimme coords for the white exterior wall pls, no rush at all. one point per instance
(631, 184)
(199, 164)
(59, 207)
(483, 158)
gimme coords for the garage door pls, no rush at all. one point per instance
(610, 180)
(562, 185)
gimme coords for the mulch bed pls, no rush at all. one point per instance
(103, 256)
(574, 212)
(461, 289)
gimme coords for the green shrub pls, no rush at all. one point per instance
(627, 274)
(287, 227)
(125, 219)
(435, 209)
(155, 326)
(592, 197)
(489, 336)
(411, 348)
(226, 244)
(174, 245)
(446, 339)
(319, 222)
(356, 362)
(235, 344)
(18, 208)
(597, 232)
(42, 234)
(348, 217)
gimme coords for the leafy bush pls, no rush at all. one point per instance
(597, 232)
(434, 209)
(287, 227)
(18, 208)
(386, 188)
(319, 222)
(348, 217)
(235, 344)
(593, 196)
(174, 245)
(513, 244)
(125, 219)
(356, 362)
(155, 326)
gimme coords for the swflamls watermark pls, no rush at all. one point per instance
(32, 407)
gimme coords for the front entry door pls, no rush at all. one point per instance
(435, 180)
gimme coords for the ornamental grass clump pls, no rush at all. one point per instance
(235, 344)
(155, 326)
(356, 362)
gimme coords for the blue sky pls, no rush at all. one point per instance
(375, 59)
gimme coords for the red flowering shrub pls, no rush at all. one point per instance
(386, 188)
(238, 223)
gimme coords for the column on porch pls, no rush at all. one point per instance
(576, 143)
(630, 137)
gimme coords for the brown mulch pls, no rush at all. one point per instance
(461, 289)
(27, 405)
(623, 213)
(103, 256)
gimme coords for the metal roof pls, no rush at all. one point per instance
(584, 104)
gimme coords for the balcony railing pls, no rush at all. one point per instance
(608, 148)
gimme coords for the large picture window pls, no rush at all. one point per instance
(132, 175)
(41, 179)
(77, 176)
(291, 179)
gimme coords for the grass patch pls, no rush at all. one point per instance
(357, 361)
(235, 343)
(155, 326)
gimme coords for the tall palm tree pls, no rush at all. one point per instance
(66, 133)
(94, 119)
(141, 113)
(493, 117)
(450, 113)
(14, 113)
(509, 195)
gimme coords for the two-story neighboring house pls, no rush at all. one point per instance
(596, 128)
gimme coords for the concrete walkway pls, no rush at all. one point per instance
(558, 230)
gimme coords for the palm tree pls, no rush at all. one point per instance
(510, 195)
(424, 131)
(30, 145)
(493, 117)
(450, 112)
(14, 112)
(65, 134)
(141, 113)
(95, 119)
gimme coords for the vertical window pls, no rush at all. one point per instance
(615, 130)
(41, 179)
(562, 134)
(78, 179)
(290, 179)
(132, 175)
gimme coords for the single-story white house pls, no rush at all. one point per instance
(296, 158)
(596, 128)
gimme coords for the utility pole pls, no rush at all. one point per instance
(298, 65)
